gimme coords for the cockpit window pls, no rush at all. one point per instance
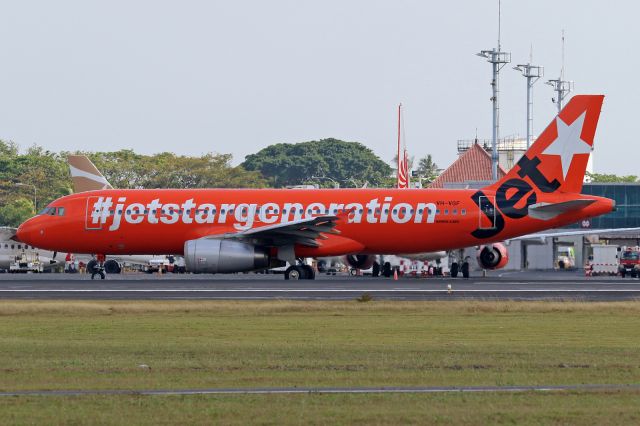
(53, 211)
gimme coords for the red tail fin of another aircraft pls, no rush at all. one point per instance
(557, 161)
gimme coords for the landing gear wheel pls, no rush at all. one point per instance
(454, 270)
(112, 267)
(93, 275)
(376, 269)
(92, 266)
(309, 272)
(294, 273)
(465, 270)
(386, 270)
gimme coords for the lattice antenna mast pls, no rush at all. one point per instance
(532, 73)
(498, 59)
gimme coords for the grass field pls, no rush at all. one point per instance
(100, 345)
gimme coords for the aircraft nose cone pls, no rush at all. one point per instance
(25, 233)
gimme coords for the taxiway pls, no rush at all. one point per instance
(509, 286)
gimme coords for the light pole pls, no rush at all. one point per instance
(498, 59)
(532, 74)
(35, 194)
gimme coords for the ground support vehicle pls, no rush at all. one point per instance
(629, 262)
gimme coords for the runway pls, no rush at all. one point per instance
(506, 286)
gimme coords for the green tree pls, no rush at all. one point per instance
(16, 211)
(126, 169)
(611, 178)
(427, 169)
(322, 162)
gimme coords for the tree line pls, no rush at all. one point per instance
(43, 175)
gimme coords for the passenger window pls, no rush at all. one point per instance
(13, 246)
(437, 211)
(455, 211)
(446, 211)
(463, 212)
(6, 246)
(19, 246)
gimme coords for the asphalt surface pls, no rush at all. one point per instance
(529, 285)
(310, 390)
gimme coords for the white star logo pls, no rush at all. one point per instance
(568, 143)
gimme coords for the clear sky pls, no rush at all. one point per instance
(236, 76)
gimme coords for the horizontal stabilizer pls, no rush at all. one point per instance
(541, 237)
(547, 211)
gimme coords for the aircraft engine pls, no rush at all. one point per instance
(223, 256)
(360, 261)
(493, 256)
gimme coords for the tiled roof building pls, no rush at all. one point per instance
(473, 165)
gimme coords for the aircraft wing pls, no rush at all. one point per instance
(541, 237)
(304, 232)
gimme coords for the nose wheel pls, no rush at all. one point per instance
(98, 271)
(96, 268)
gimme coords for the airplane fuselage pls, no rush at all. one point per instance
(372, 221)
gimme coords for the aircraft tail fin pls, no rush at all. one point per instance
(85, 175)
(558, 159)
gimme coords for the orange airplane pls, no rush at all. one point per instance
(235, 230)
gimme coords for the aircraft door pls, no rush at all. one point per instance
(95, 216)
(487, 212)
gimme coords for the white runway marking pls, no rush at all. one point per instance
(322, 290)
(249, 391)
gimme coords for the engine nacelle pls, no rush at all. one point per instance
(223, 256)
(493, 256)
(360, 261)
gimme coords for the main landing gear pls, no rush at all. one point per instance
(300, 272)
(456, 269)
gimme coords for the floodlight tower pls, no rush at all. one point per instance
(532, 73)
(561, 86)
(498, 59)
(562, 89)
